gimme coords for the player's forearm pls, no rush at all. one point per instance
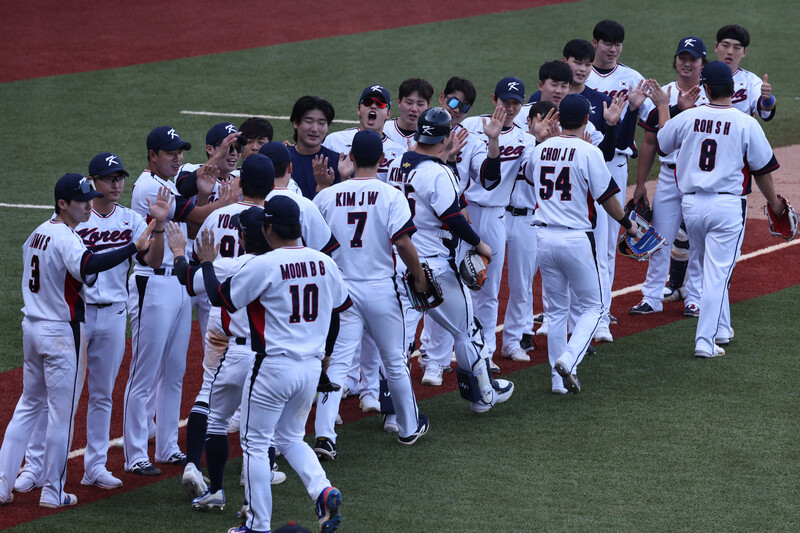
(490, 173)
(95, 263)
(154, 255)
(181, 268)
(615, 211)
(766, 185)
(609, 143)
(197, 215)
(408, 253)
(212, 284)
(647, 156)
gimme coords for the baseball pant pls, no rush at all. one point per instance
(50, 385)
(490, 224)
(438, 342)
(376, 309)
(715, 224)
(619, 171)
(160, 325)
(276, 400)
(567, 261)
(521, 269)
(225, 390)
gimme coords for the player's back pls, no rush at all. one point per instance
(226, 233)
(365, 215)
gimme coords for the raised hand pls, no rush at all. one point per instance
(176, 240)
(637, 96)
(611, 113)
(206, 179)
(160, 210)
(455, 142)
(323, 174)
(688, 99)
(204, 246)
(493, 125)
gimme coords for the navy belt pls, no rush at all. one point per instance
(670, 166)
(519, 211)
(164, 271)
(241, 341)
(100, 306)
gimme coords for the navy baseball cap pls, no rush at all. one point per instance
(75, 187)
(573, 107)
(693, 45)
(277, 152)
(281, 210)
(249, 222)
(167, 139)
(367, 144)
(218, 132)
(378, 91)
(258, 170)
(510, 87)
(716, 73)
(105, 164)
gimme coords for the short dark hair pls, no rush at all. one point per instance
(541, 108)
(254, 246)
(285, 231)
(415, 85)
(556, 71)
(720, 91)
(257, 127)
(580, 49)
(571, 124)
(252, 190)
(307, 103)
(280, 169)
(609, 31)
(734, 31)
(366, 162)
(463, 85)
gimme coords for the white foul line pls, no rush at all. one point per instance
(620, 292)
(28, 206)
(246, 115)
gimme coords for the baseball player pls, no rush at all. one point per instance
(374, 109)
(256, 132)
(257, 180)
(432, 189)
(684, 93)
(414, 97)
(56, 265)
(751, 94)
(368, 217)
(567, 171)
(487, 201)
(291, 295)
(311, 117)
(718, 150)
(160, 313)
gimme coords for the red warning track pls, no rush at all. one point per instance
(47, 38)
(761, 268)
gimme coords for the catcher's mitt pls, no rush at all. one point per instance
(784, 226)
(473, 270)
(422, 301)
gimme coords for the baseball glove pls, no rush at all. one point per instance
(473, 270)
(642, 248)
(422, 301)
(641, 209)
(784, 226)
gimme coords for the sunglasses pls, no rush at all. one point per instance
(84, 186)
(235, 148)
(369, 101)
(455, 103)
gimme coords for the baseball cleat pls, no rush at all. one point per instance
(234, 426)
(603, 335)
(325, 449)
(503, 389)
(328, 504)
(26, 482)
(642, 308)
(276, 476)
(243, 512)
(433, 374)
(542, 329)
(339, 420)
(527, 344)
(493, 367)
(722, 341)
(6, 499)
(718, 352)
(538, 319)
(69, 499)
(570, 380)
(691, 311)
(590, 350)
(193, 482)
(144, 468)
(370, 404)
(612, 319)
(104, 480)
(390, 424)
(672, 294)
(177, 459)
(515, 353)
(209, 500)
(422, 429)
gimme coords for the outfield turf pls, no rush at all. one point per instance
(657, 441)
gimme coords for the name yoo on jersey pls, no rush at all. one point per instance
(92, 236)
(305, 269)
(348, 199)
(711, 126)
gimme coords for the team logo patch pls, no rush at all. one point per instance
(427, 130)
(111, 160)
(230, 128)
(172, 133)
(513, 86)
(689, 42)
(376, 88)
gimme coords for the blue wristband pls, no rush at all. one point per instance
(768, 103)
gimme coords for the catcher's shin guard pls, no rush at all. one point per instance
(385, 397)
(476, 386)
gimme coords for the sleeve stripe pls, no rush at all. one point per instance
(409, 228)
(772, 166)
(347, 303)
(612, 190)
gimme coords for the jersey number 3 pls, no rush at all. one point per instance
(549, 186)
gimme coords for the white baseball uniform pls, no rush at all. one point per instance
(54, 346)
(290, 295)
(161, 317)
(342, 142)
(568, 171)
(315, 231)
(367, 216)
(666, 208)
(747, 94)
(487, 213)
(719, 149)
(400, 137)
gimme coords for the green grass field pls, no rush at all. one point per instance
(657, 441)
